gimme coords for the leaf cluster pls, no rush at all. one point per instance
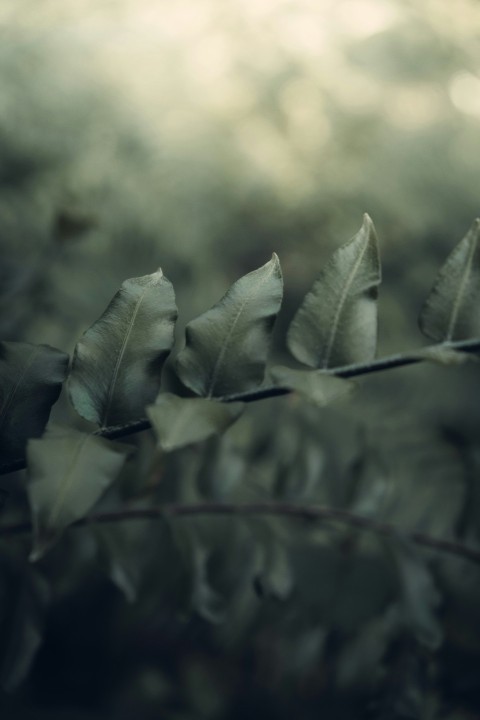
(223, 569)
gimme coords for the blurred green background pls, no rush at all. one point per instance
(201, 136)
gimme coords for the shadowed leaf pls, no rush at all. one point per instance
(31, 378)
(117, 363)
(275, 578)
(450, 311)
(122, 564)
(193, 558)
(337, 322)
(182, 421)
(226, 347)
(68, 471)
(420, 597)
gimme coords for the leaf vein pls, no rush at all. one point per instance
(56, 507)
(223, 349)
(341, 303)
(459, 296)
(120, 356)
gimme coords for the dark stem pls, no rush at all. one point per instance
(278, 509)
(348, 371)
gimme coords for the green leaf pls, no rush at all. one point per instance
(124, 567)
(450, 311)
(68, 471)
(226, 347)
(359, 662)
(276, 579)
(193, 559)
(315, 385)
(117, 363)
(31, 378)
(420, 597)
(444, 355)
(337, 321)
(181, 421)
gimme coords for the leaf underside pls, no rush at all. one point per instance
(226, 347)
(450, 311)
(181, 421)
(68, 471)
(117, 364)
(337, 321)
(31, 378)
(315, 385)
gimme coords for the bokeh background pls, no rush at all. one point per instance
(201, 136)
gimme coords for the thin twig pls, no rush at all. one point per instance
(277, 509)
(348, 371)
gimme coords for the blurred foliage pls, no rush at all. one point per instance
(202, 136)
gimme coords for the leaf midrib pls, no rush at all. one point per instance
(120, 356)
(343, 298)
(57, 506)
(461, 289)
(223, 349)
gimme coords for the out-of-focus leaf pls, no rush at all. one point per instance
(276, 577)
(360, 659)
(123, 566)
(181, 421)
(371, 483)
(444, 355)
(194, 556)
(127, 551)
(22, 633)
(402, 694)
(451, 309)
(315, 385)
(419, 596)
(117, 363)
(419, 465)
(68, 471)
(226, 347)
(31, 378)
(337, 321)
(222, 471)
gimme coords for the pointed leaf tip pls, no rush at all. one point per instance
(450, 311)
(226, 347)
(337, 321)
(117, 363)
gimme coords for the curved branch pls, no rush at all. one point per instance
(278, 509)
